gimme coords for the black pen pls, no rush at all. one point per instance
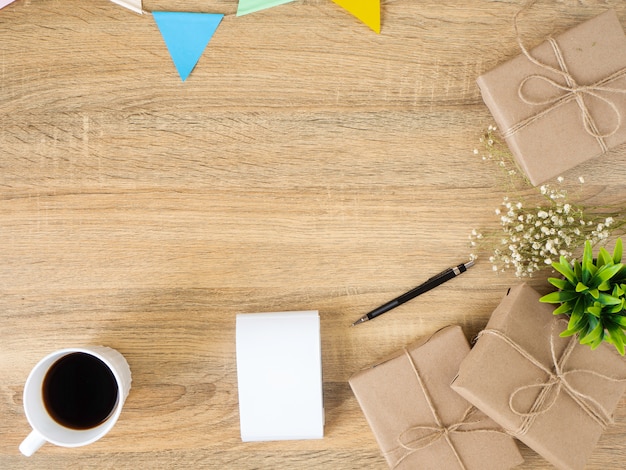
(431, 283)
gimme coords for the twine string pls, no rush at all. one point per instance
(573, 91)
(410, 445)
(557, 381)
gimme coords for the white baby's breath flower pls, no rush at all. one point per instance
(532, 234)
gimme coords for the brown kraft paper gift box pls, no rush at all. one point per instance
(418, 421)
(553, 393)
(563, 102)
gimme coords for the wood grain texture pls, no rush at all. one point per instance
(306, 163)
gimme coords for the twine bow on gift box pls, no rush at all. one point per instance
(573, 91)
(557, 381)
(409, 441)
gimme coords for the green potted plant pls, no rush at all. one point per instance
(592, 293)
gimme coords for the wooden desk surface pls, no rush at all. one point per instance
(307, 163)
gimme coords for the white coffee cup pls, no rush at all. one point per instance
(45, 427)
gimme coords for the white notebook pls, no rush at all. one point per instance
(279, 374)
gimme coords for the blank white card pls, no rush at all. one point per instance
(279, 373)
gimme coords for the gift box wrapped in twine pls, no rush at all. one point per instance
(418, 421)
(552, 393)
(563, 102)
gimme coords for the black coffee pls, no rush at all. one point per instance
(79, 391)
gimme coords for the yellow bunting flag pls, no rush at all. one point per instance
(368, 11)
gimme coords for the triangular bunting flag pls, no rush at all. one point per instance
(186, 35)
(368, 11)
(134, 5)
(4, 3)
(250, 6)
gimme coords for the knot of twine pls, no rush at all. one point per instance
(556, 382)
(410, 445)
(573, 91)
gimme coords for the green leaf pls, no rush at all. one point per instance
(580, 287)
(591, 269)
(607, 299)
(578, 270)
(568, 332)
(606, 272)
(619, 347)
(617, 336)
(566, 270)
(586, 261)
(593, 335)
(565, 307)
(576, 320)
(604, 258)
(597, 342)
(559, 283)
(584, 331)
(587, 252)
(619, 320)
(595, 311)
(578, 317)
(617, 251)
(559, 297)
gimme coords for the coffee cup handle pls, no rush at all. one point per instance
(32, 443)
